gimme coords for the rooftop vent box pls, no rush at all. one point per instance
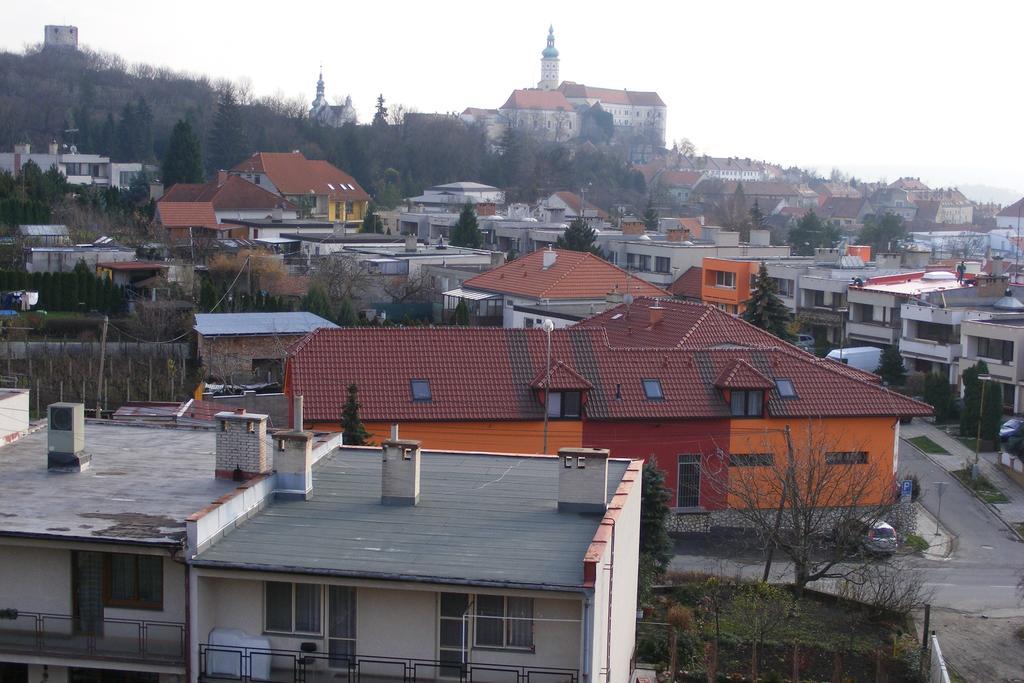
(65, 443)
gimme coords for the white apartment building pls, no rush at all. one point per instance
(160, 555)
(78, 168)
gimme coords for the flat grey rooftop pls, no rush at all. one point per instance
(140, 486)
(238, 324)
(482, 519)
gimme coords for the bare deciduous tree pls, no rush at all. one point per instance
(887, 588)
(341, 277)
(798, 489)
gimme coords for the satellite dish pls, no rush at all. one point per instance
(628, 299)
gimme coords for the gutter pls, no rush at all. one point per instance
(391, 576)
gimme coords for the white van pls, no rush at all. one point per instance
(864, 358)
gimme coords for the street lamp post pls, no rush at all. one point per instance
(981, 411)
(548, 326)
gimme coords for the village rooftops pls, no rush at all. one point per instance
(481, 519)
(141, 485)
(245, 324)
(561, 274)
(294, 174)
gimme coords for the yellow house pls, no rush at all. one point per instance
(317, 186)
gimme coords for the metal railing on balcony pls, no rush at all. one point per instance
(109, 639)
(246, 664)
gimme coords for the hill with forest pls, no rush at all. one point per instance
(101, 104)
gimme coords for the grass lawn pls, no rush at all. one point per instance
(968, 441)
(926, 445)
(917, 543)
(981, 486)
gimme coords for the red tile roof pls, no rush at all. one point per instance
(687, 285)
(574, 201)
(231, 194)
(132, 265)
(611, 96)
(1013, 210)
(294, 174)
(741, 375)
(541, 100)
(488, 374)
(562, 377)
(174, 214)
(670, 178)
(574, 275)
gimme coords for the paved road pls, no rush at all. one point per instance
(987, 560)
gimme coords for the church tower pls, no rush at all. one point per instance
(549, 64)
(320, 100)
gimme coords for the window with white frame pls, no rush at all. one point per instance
(292, 607)
(504, 622)
(724, 278)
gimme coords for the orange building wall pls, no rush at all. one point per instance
(861, 250)
(734, 299)
(497, 437)
(876, 435)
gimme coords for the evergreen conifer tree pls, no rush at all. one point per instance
(347, 316)
(183, 161)
(462, 313)
(651, 218)
(579, 237)
(992, 411)
(207, 296)
(353, 431)
(316, 302)
(890, 367)
(765, 309)
(226, 146)
(939, 394)
(972, 398)
(655, 545)
(380, 117)
(466, 232)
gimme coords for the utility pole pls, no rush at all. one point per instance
(99, 378)
(782, 504)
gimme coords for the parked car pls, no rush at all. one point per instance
(1011, 429)
(805, 341)
(881, 539)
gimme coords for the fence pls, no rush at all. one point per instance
(20, 350)
(937, 672)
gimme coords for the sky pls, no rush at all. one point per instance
(880, 89)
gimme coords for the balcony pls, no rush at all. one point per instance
(930, 350)
(872, 332)
(59, 635)
(223, 662)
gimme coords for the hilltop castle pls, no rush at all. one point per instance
(561, 110)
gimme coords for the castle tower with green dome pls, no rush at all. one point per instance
(549, 64)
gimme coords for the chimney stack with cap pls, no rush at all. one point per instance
(583, 479)
(548, 258)
(655, 314)
(241, 445)
(400, 472)
(293, 462)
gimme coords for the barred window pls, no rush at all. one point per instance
(847, 458)
(751, 459)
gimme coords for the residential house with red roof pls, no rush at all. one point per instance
(233, 198)
(682, 383)
(574, 206)
(563, 286)
(318, 188)
(188, 221)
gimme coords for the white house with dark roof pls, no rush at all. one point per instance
(391, 561)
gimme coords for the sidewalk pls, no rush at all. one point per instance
(961, 457)
(939, 538)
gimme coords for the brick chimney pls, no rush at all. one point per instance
(400, 472)
(583, 479)
(632, 226)
(222, 177)
(655, 314)
(293, 462)
(241, 445)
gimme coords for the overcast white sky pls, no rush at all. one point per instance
(880, 88)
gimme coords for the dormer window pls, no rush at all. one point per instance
(652, 390)
(746, 403)
(564, 404)
(420, 389)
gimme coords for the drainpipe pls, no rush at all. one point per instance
(608, 626)
(588, 634)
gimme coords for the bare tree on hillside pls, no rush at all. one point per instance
(793, 490)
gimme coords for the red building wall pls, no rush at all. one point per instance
(666, 441)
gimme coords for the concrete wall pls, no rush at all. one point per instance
(392, 620)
